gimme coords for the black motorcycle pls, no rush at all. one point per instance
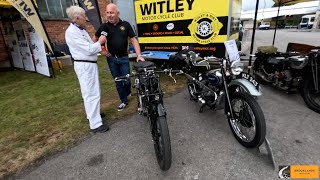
(291, 71)
(220, 84)
(150, 104)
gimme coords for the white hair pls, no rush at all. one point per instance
(73, 12)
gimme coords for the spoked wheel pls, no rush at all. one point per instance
(310, 96)
(248, 125)
(161, 138)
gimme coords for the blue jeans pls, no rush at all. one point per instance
(121, 67)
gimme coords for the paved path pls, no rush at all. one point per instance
(203, 146)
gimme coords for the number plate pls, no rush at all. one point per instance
(250, 78)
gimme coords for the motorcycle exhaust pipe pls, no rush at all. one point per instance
(220, 101)
(262, 76)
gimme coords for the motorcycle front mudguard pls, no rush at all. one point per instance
(161, 110)
(246, 85)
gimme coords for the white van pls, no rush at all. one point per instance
(306, 21)
(264, 25)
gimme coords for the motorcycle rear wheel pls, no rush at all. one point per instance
(248, 115)
(310, 96)
(161, 139)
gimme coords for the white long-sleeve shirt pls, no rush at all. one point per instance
(80, 44)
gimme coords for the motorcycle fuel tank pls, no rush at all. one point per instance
(213, 79)
(298, 62)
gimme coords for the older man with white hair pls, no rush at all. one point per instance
(84, 52)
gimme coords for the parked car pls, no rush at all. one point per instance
(264, 25)
(306, 21)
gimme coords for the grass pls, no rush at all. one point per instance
(41, 116)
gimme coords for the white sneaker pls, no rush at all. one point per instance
(122, 106)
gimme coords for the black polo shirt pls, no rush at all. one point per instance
(117, 38)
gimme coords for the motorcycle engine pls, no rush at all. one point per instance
(212, 81)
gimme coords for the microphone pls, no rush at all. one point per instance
(104, 33)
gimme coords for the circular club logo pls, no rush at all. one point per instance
(122, 28)
(205, 28)
(155, 27)
(170, 26)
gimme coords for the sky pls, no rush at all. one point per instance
(251, 4)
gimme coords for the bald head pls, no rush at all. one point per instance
(112, 6)
(112, 13)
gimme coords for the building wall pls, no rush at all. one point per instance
(56, 30)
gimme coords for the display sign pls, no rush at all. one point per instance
(23, 46)
(39, 53)
(28, 10)
(12, 42)
(174, 25)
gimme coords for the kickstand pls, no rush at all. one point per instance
(269, 151)
(201, 108)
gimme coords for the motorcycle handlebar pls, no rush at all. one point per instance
(126, 77)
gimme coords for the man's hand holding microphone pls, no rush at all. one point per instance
(102, 40)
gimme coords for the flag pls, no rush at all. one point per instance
(28, 10)
(92, 11)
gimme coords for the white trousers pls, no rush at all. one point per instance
(88, 77)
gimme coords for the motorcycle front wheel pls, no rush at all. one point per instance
(310, 96)
(161, 138)
(248, 124)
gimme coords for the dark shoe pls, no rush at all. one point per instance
(102, 115)
(101, 129)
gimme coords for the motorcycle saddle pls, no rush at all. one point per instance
(200, 66)
(140, 66)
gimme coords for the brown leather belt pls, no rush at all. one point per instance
(85, 61)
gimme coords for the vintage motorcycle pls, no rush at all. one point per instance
(220, 84)
(150, 104)
(290, 71)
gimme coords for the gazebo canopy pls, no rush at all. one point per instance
(289, 2)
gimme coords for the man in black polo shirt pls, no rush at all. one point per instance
(118, 32)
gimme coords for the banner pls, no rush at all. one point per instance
(175, 25)
(39, 53)
(24, 47)
(27, 9)
(92, 11)
(12, 42)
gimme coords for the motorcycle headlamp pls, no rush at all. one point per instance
(236, 67)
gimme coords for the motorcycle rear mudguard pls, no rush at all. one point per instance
(246, 85)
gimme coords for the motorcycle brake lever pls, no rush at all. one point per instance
(181, 72)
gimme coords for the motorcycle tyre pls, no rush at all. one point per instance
(165, 162)
(307, 99)
(260, 121)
